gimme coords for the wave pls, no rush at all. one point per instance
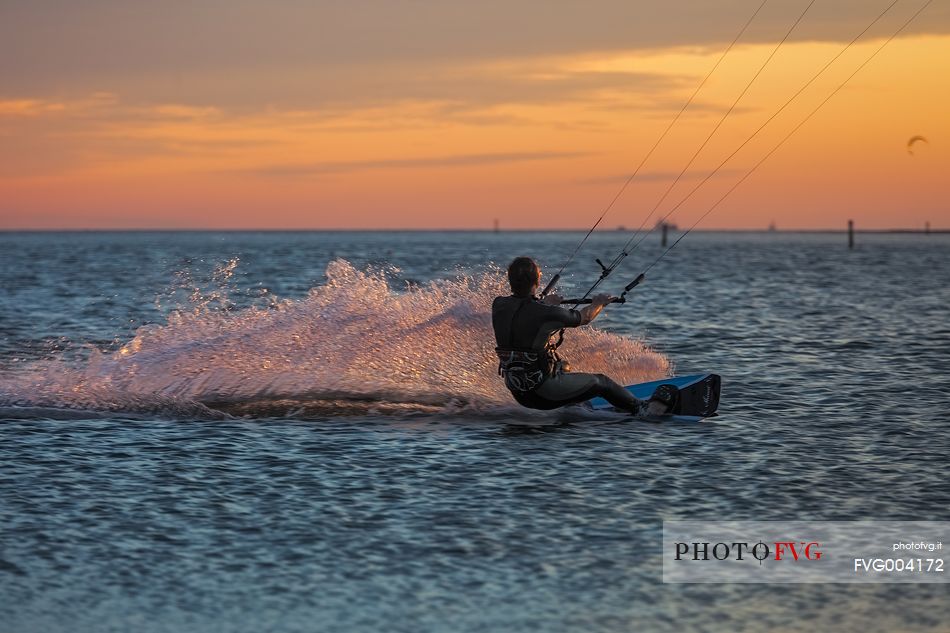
(352, 344)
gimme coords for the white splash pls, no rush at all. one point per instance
(352, 339)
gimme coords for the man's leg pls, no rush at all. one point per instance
(572, 388)
(615, 394)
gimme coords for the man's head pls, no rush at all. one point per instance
(524, 276)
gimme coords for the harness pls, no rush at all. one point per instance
(524, 369)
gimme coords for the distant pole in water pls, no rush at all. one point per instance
(850, 233)
(666, 227)
(927, 228)
(497, 230)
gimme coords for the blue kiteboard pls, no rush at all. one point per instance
(699, 397)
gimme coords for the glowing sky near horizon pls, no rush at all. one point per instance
(450, 115)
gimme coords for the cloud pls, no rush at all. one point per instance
(177, 111)
(28, 107)
(45, 137)
(465, 160)
(199, 51)
(103, 131)
(657, 176)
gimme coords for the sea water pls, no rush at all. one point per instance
(306, 432)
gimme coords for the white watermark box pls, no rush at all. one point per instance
(805, 551)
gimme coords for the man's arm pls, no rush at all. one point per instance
(597, 303)
(588, 313)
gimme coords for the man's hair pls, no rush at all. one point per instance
(523, 275)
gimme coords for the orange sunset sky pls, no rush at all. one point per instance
(411, 114)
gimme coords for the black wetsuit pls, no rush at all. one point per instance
(524, 325)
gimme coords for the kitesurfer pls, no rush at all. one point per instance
(528, 360)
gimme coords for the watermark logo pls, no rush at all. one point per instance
(760, 551)
(804, 552)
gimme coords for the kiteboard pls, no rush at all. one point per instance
(698, 397)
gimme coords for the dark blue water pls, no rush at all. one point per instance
(128, 502)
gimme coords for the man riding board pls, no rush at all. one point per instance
(528, 360)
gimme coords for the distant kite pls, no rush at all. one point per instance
(914, 139)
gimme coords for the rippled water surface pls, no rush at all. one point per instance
(304, 431)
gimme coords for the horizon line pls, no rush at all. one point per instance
(455, 230)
